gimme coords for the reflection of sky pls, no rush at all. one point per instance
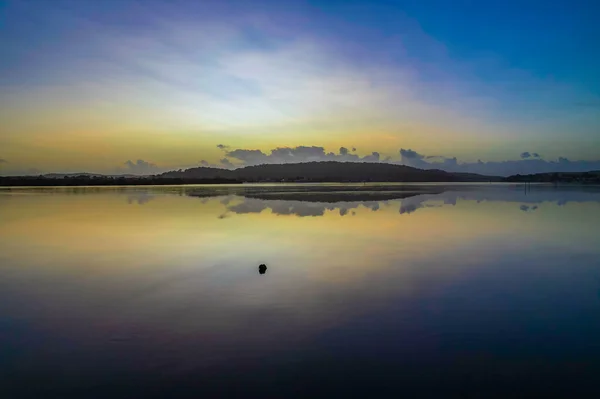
(169, 284)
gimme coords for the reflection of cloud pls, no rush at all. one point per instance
(248, 206)
(449, 200)
(226, 200)
(527, 208)
(317, 200)
(408, 208)
(531, 199)
(140, 199)
(298, 208)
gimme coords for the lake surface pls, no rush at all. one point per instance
(370, 291)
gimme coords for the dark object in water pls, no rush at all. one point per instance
(262, 269)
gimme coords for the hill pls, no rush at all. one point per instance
(329, 172)
(592, 177)
(342, 172)
(83, 180)
(83, 175)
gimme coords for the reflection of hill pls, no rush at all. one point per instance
(528, 200)
(333, 197)
(319, 192)
(315, 201)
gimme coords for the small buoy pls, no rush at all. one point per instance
(262, 269)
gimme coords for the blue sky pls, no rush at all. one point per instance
(88, 85)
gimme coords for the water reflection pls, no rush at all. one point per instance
(297, 208)
(139, 198)
(315, 203)
(527, 208)
(381, 292)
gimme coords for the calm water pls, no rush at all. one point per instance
(370, 291)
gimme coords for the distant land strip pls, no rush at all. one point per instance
(309, 172)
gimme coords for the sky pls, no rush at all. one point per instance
(131, 86)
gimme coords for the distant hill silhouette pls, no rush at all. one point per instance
(329, 172)
(592, 177)
(83, 174)
(85, 180)
(294, 172)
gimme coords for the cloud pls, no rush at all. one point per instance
(222, 146)
(227, 163)
(248, 157)
(527, 155)
(374, 157)
(141, 167)
(528, 162)
(412, 158)
(204, 163)
(410, 154)
(281, 155)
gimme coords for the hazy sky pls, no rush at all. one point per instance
(88, 85)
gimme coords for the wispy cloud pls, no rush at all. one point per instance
(218, 76)
(141, 167)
